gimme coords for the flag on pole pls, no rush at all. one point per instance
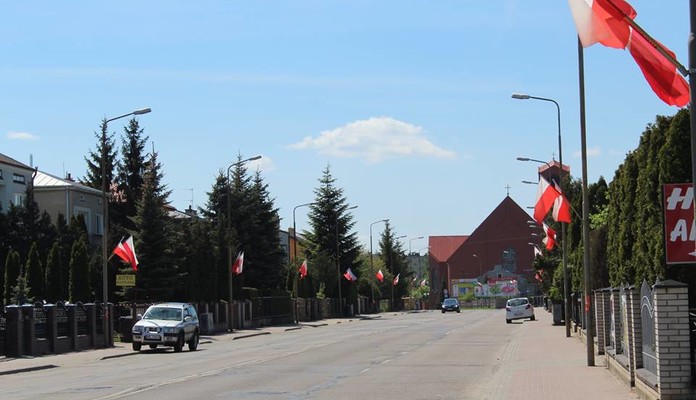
(238, 264)
(611, 23)
(546, 195)
(303, 269)
(396, 279)
(537, 252)
(380, 276)
(350, 275)
(561, 207)
(424, 282)
(125, 250)
(550, 239)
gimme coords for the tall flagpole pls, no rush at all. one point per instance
(589, 325)
(692, 87)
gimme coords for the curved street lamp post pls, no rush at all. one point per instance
(230, 315)
(105, 214)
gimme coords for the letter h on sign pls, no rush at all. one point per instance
(680, 235)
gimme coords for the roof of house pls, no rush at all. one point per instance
(441, 248)
(44, 180)
(11, 161)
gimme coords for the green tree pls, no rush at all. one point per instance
(158, 277)
(54, 275)
(215, 213)
(12, 272)
(330, 240)
(130, 176)
(20, 292)
(105, 147)
(391, 252)
(79, 288)
(35, 273)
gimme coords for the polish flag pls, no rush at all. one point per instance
(611, 23)
(424, 282)
(602, 21)
(238, 264)
(550, 239)
(125, 250)
(303, 269)
(396, 279)
(380, 276)
(561, 207)
(546, 195)
(660, 73)
(350, 275)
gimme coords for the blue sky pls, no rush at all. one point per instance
(407, 101)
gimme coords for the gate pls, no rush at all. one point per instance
(647, 321)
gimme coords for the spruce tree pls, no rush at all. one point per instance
(392, 253)
(158, 277)
(215, 212)
(130, 172)
(105, 146)
(54, 277)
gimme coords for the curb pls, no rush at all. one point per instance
(251, 335)
(29, 369)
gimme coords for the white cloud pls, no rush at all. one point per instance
(375, 140)
(21, 136)
(591, 152)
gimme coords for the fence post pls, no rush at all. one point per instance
(672, 341)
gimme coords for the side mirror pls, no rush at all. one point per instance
(139, 317)
(187, 318)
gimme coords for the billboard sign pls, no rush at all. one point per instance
(680, 235)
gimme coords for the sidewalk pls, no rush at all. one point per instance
(546, 365)
(23, 364)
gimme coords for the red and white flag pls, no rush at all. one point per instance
(396, 279)
(546, 195)
(561, 207)
(550, 239)
(380, 276)
(424, 282)
(537, 252)
(611, 23)
(125, 250)
(598, 21)
(350, 275)
(238, 265)
(661, 74)
(303, 269)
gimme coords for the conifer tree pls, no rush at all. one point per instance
(158, 277)
(20, 292)
(215, 212)
(79, 288)
(392, 253)
(12, 272)
(34, 273)
(54, 278)
(131, 172)
(105, 146)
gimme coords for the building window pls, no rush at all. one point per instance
(17, 178)
(82, 198)
(0, 174)
(19, 199)
(99, 224)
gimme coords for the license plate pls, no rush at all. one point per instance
(151, 337)
(517, 314)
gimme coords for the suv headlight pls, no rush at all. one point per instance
(137, 329)
(170, 329)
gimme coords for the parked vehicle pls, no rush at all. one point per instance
(167, 324)
(450, 304)
(519, 308)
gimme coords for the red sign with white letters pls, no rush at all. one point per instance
(680, 232)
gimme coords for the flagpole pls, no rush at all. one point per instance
(692, 88)
(589, 339)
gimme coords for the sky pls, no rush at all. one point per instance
(408, 102)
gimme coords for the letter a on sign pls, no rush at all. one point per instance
(680, 235)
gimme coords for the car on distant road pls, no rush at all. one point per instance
(450, 304)
(519, 308)
(167, 324)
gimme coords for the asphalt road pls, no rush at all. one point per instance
(424, 355)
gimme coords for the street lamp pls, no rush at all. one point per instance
(479, 260)
(566, 284)
(409, 243)
(371, 265)
(105, 213)
(229, 238)
(338, 262)
(294, 234)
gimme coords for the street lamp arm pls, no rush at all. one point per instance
(136, 112)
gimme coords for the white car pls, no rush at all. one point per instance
(167, 324)
(519, 308)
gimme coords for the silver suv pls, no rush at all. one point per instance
(167, 324)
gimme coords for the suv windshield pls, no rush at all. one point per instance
(517, 302)
(450, 301)
(163, 313)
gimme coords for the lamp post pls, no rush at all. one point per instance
(566, 284)
(105, 211)
(338, 262)
(371, 265)
(230, 316)
(409, 243)
(480, 268)
(294, 234)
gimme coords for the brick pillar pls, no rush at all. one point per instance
(14, 346)
(601, 307)
(615, 315)
(636, 334)
(672, 342)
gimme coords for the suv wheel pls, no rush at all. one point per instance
(137, 346)
(193, 343)
(179, 345)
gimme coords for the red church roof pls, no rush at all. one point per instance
(442, 247)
